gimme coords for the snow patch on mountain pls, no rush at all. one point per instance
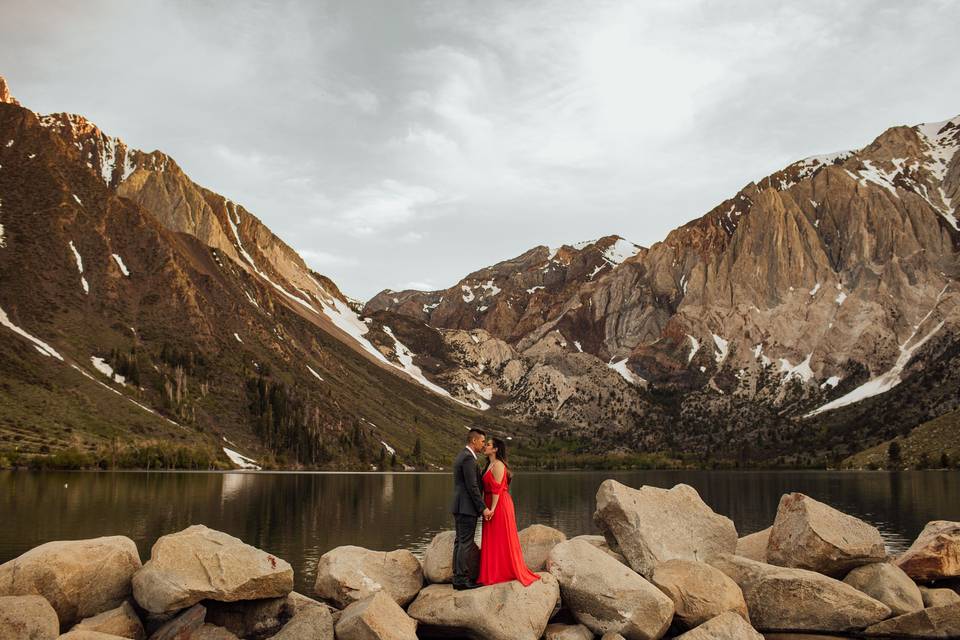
(315, 374)
(620, 251)
(801, 370)
(694, 347)
(241, 460)
(405, 356)
(123, 267)
(101, 365)
(620, 366)
(890, 379)
(40, 345)
(723, 348)
(83, 280)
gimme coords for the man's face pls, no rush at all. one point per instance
(476, 443)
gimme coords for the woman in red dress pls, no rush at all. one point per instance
(501, 558)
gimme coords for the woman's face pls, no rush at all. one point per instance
(488, 448)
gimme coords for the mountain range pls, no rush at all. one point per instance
(810, 316)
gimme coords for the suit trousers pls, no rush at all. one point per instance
(466, 529)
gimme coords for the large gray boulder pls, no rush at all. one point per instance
(438, 559)
(28, 617)
(248, 618)
(559, 631)
(785, 598)
(726, 626)
(889, 584)
(937, 622)
(212, 632)
(348, 574)
(536, 541)
(183, 625)
(376, 617)
(754, 545)
(200, 563)
(79, 578)
(505, 611)
(122, 621)
(311, 621)
(808, 534)
(935, 554)
(934, 597)
(601, 543)
(650, 525)
(605, 595)
(699, 592)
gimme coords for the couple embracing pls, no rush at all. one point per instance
(486, 494)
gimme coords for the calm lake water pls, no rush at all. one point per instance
(300, 516)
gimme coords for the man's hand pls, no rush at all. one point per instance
(487, 514)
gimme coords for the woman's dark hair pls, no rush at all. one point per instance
(501, 448)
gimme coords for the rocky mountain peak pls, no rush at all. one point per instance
(5, 95)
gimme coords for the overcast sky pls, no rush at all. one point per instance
(405, 144)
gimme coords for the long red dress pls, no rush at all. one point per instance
(501, 558)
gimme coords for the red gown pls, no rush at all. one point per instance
(501, 558)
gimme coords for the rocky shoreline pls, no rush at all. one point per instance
(666, 566)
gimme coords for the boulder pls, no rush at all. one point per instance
(754, 546)
(933, 597)
(605, 595)
(807, 534)
(726, 626)
(122, 621)
(297, 601)
(310, 621)
(612, 636)
(601, 543)
(28, 617)
(505, 611)
(785, 598)
(889, 584)
(245, 618)
(937, 622)
(348, 574)
(536, 541)
(182, 626)
(935, 554)
(86, 634)
(79, 578)
(203, 564)
(376, 617)
(699, 592)
(438, 559)
(567, 632)
(212, 632)
(651, 525)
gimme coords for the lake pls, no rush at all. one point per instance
(300, 516)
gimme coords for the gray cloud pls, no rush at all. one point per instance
(397, 143)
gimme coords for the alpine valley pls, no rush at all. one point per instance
(148, 321)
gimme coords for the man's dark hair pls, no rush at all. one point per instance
(475, 431)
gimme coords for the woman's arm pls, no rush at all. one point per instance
(498, 473)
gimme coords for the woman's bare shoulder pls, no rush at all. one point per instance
(498, 469)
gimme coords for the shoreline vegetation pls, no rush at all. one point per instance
(665, 566)
(163, 457)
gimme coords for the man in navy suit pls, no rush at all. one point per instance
(467, 506)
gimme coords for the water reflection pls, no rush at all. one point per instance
(300, 516)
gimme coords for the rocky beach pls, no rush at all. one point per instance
(666, 566)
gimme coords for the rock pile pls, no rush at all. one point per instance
(667, 566)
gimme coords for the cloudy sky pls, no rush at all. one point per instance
(405, 144)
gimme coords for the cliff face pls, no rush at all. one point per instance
(138, 307)
(822, 285)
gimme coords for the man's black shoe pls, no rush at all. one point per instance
(467, 585)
